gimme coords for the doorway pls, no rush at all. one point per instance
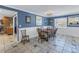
(8, 29)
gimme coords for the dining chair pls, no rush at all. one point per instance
(54, 33)
(25, 37)
(42, 35)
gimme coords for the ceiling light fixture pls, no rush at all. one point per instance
(49, 13)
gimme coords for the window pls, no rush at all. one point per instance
(38, 20)
(73, 21)
(61, 22)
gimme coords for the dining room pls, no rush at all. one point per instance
(46, 29)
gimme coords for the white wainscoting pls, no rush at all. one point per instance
(31, 31)
(71, 31)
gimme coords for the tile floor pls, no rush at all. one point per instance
(61, 44)
(5, 41)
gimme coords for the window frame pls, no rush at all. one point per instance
(41, 20)
(68, 21)
(59, 19)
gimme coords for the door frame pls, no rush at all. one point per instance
(16, 15)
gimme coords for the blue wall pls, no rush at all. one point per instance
(48, 21)
(21, 20)
(45, 21)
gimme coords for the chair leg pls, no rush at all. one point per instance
(40, 40)
(27, 39)
(54, 37)
(23, 41)
(46, 39)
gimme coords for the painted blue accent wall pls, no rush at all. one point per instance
(22, 23)
(48, 21)
(21, 20)
(45, 21)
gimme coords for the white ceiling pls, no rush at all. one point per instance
(5, 12)
(57, 10)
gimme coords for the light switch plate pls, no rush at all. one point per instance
(19, 25)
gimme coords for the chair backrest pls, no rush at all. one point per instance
(23, 33)
(39, 32)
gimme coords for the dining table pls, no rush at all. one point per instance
(49, 32)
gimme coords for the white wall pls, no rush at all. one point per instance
(31, 31)
(71, 31)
